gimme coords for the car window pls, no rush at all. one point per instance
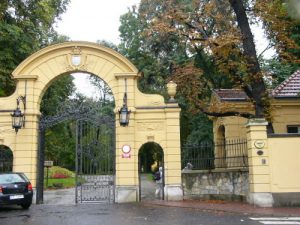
(24, 177)
(10, 178)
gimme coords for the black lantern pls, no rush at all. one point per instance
(124, 112)
(18, 119)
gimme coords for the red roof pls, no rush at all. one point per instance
(287, 89)
(290, 87)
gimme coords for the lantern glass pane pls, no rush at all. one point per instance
(123, 118)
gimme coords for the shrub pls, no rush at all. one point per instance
(59, 172)
(59, 176)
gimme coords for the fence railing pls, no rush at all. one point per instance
(209, 155)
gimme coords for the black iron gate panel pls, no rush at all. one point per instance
(95, 160)
(6, 159)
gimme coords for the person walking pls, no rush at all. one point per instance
(159, 183)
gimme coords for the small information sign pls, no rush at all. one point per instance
(48, 163)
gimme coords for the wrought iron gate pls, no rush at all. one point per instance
(95, 147)
(95, 160)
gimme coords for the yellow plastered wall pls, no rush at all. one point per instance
(285, 112)
(151, 118)
(284, 164)
(234, 127)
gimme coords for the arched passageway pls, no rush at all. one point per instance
(151, 158)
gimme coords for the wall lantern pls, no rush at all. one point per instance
(18, 118)
(124, 113)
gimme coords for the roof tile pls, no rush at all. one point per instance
(290, 87)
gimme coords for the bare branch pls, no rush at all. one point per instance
(270, 45)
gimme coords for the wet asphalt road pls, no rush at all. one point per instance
(116, 214)
(59, 208)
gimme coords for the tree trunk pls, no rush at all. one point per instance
(257, 84)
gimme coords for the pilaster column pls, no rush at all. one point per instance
(259, 168)
(173, 186)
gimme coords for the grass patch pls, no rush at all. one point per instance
(60, 183)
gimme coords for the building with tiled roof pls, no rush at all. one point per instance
(285, 106)
(289, 88)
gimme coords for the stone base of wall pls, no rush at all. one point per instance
(126, 194)
(173, 192)
(286, 199)
(260, 199)
(229, 184)
(222, 197)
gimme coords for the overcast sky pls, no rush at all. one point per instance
(92, 20)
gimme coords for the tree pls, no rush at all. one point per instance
(157, 58)
(154, 65)
(282, 28)
(57, 93)
(25, 27)
(220, 30)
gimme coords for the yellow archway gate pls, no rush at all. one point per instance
(151, 119)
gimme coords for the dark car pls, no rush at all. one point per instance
(15, 189)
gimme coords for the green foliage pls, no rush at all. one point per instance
(6, 159)
(58, 92)
(25, 27)
(201, 130)
(161, 55)
(155, 65)
(149, 154)
(58, 170)
(278, 71)
(61, 144)
(60, 139)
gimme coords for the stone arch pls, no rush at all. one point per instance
(48, 63)
(156, 148)
(151, 118)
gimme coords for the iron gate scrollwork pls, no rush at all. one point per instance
(95, 147)
(95, 160)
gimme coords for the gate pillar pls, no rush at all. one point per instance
(173, 187)
(259, 165)
(24, 144)
(151, 120)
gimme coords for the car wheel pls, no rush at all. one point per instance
(26, 205)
